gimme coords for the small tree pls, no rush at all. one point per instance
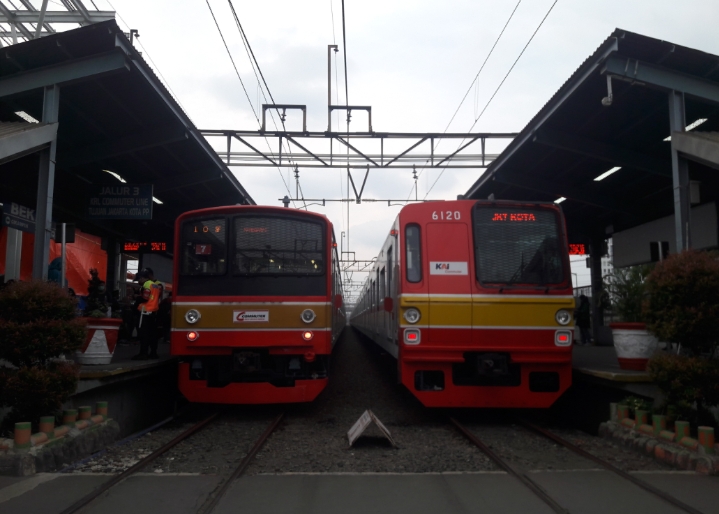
(625, 287)
(37, 325)
(682, 304)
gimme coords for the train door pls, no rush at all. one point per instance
(392, 293)
(450, 310)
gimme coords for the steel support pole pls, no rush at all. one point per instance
(63, 253)
(680, 175)
(45, 187)
(595, 270)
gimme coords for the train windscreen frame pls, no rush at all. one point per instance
(518, 245)
(225, 278)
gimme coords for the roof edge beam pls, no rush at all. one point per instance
(612, 154)
(697, 148)
(71, 70)
(636, 71)
(28, 141)
(148, 139)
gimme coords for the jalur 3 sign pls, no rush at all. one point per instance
(125, 202)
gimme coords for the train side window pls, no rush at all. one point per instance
(414, 254)
(389, 271)
(382, 286)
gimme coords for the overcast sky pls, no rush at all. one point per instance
(412, 61)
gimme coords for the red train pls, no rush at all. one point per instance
(474, 300)
(257, 304)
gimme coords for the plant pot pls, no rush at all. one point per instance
(100, 341)
(634, 345)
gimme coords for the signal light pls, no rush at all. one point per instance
(307, 335)
(563, 338)
(193, 336)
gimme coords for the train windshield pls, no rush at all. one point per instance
(277, 246)
(517, 245)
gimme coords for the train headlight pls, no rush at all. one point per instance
(308, 315)
(412, 336)
(193, 336)
(563, 317)
(192, 316)
(412, 315)
(307, 336)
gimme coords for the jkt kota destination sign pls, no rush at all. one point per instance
(123, 202)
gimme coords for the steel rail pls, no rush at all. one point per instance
(75, 507)
(506, 466)
(636, 481)
(241, 467)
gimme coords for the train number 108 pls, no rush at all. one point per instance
(446, 215)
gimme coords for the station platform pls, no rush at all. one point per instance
(140, 392)
(598, 365)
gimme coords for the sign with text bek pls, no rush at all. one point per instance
(18, 217)
(122, 202)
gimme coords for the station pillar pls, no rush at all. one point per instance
(680, 175)
(13, 254)
(595, 269)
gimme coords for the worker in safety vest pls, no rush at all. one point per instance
(150, 296)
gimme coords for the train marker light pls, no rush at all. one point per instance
(563, 317)
(192, 316)
(563, 338)
(307, 335)
(193, 336)
(412, 315)
(308, 315)
(411, 336)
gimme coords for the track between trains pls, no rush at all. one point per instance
(525, 478)
(213, 498)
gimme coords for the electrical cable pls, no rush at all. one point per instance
(498, 88)
(476, 77)
(245, 90)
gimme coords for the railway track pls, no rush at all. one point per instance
(524, 477)
(214, 497)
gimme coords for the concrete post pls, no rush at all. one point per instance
(45, 188)
(595, 262)
(13, 254)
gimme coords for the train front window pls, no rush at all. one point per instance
(413, 252)
(267, 245)
(517, 245)
(204, 247)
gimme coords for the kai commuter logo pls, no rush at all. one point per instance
(250, 316)
(448, 268)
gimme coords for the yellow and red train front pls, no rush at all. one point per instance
(484, 325)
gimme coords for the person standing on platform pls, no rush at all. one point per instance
(582, 319)
(151, 294)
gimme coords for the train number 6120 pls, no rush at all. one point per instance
(446, 215)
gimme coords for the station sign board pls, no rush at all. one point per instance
(145, 246)
(121, 202)
(18, 217)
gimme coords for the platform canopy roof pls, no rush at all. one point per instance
(576, 137)
(115, 115)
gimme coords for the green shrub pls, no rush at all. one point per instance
(682, 304)
(37, 325)
(686, 382)
(36, 391)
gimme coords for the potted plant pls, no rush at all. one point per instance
(102, 329)
(632, 342)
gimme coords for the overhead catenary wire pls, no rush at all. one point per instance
(245, 90)
(474, 81)
(498, 88)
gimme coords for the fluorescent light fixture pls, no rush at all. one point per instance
(607, 173)
(156, 200)
(26, 117)
(689, 127)
(559, 200)
(118, 177)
